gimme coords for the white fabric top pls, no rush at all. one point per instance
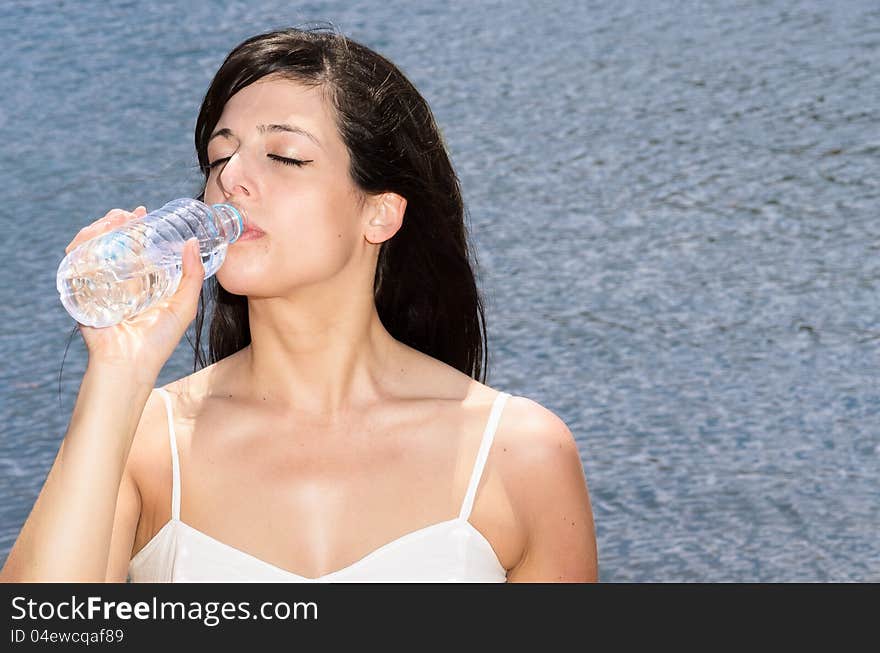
(449, 551)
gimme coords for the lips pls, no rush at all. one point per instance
(251, 232)
(249, 226)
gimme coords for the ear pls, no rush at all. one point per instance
(385, 212)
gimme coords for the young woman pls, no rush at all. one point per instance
(340, 432)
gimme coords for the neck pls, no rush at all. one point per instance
(317, 357)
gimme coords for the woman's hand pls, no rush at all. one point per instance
(143, 343)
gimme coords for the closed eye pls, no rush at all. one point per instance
(289, 162)
(216, 163)
(280, 159)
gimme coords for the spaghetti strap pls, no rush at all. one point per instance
(482, 454)
(175, 463)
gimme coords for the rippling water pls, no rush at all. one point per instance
(674, 208)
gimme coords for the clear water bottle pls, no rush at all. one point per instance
(122, 272)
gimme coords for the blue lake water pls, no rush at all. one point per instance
(674, 210)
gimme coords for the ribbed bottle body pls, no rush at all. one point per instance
(123, 272)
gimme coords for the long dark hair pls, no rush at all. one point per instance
(425, 290)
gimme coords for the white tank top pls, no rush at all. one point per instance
(448, 551)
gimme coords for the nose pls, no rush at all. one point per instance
(232, 178)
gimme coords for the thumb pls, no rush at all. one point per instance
(185, 300)
(193, 269)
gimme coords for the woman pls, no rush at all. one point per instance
(340, 431)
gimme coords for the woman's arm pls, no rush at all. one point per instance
(89, 497)
(550, 494)
(84, 520)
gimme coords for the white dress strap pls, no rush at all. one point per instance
(175, 463)
(482, 454)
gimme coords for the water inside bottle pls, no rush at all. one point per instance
(98, 297)
(117, 275)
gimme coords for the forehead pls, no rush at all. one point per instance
(276, 100)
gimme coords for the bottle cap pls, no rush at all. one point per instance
(238, 215)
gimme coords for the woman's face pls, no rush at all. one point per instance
(277, 154)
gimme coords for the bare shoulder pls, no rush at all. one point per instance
(534, 430)
(149, 448)
(536, 442)
(545, 482)
(149, 460)
(152, 423)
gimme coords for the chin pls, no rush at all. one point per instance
(239, 286)
(240, 277)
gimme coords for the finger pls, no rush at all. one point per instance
(185, 300)
(193, 269)
(111, 220)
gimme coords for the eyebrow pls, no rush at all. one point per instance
(226, 132)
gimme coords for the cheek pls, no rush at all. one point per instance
(308, 250)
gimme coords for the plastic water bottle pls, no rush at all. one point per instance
(122, 272)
